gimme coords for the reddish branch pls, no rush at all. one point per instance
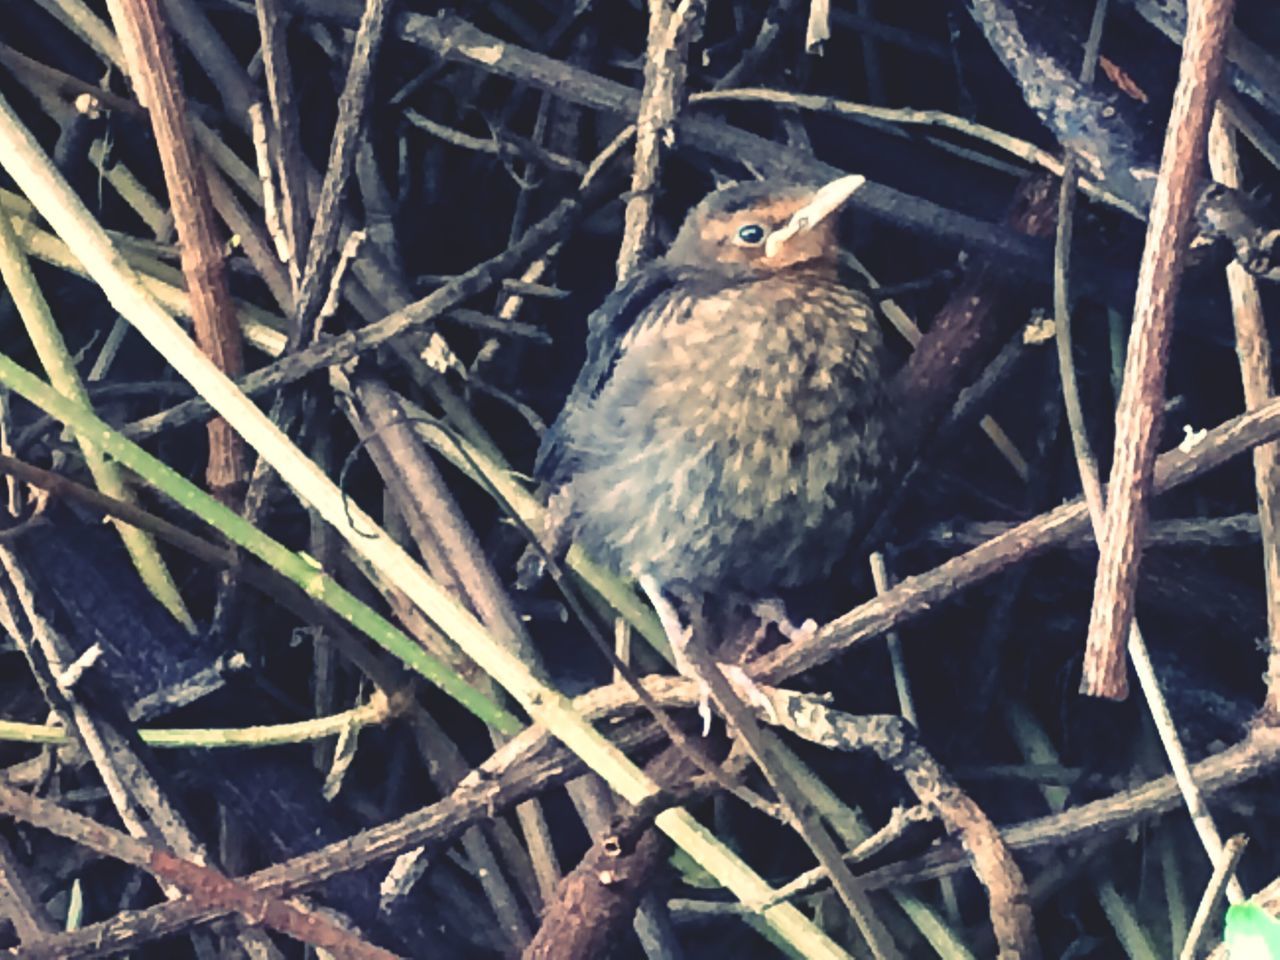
(204, 884)
(156, 81)
(972, 324)
(1142, 396)
(599, 897)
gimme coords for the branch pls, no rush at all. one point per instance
(1142, 396)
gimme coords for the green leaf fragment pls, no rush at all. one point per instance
(1252, 933)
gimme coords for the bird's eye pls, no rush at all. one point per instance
(750, 235)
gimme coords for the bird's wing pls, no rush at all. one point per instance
(606, 328)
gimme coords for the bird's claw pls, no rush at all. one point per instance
(679, 636)
(773, 612)
(704, 706)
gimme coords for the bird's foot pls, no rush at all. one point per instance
(679, 636)
(773, 613)
(553, 542)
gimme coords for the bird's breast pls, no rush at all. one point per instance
(735, 423)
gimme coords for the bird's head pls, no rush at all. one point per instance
(764, 226)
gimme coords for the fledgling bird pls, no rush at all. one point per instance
(730, 425)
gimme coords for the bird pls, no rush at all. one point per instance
(728, 432)
(730, 425)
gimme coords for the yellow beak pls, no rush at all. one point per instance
(826, 200)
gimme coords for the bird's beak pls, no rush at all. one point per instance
(825, 201)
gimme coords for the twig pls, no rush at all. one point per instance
(1237, 530)
(154, 71)
(901, 682)
(505, 144)
(670, 33)
(323, 246)
(896, 744)
(1253, 347)
(289, 167)
(894, 117)
(1222, 873)
(899, 822)
(201, 882)
(1142, 395)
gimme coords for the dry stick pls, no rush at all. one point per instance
(1142, 395)
(670, 33)
(897, 745)
(1232, 530)
(499, 143)
(203, 883)
(605, 890)
(454, 557)
(1222, 873)
(803, 818)
(1253, 347)
(289, 167)
(155, 77)
(533, 762)
(18, 902)
(1087, 466)
(322, 249)
(606, 887)
(901, 682)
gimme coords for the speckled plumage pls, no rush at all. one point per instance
(729, 424)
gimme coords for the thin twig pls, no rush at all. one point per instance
(1253, 347)
(1223, 870)
(670, 33)
(202, 882)
(326, 232)
(901, 682)
(289, 166)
